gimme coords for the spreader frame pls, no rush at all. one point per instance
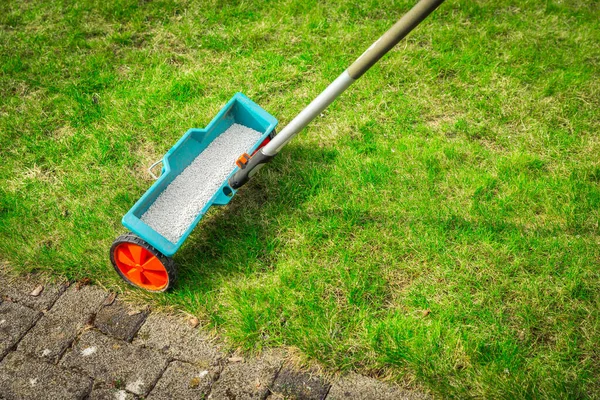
(240, 109)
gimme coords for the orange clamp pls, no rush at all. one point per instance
(243, 160)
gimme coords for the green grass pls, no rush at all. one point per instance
(438, 225)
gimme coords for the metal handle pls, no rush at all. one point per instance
(377, 50)
(152, 166)
(391, 38)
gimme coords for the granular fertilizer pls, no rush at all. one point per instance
(179, 204)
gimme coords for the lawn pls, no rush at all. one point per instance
(437, 226)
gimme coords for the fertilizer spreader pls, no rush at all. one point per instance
(207, 166)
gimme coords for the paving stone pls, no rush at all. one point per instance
(114, 361)
(19, 290)
(56, 330)
(50, 337)
(358, 387)
(174, 336)
(15, 321)
(298, 385)
(249, 379)
(106, 393)
(183, 381)
(27, 377)
(120, 320)
(79, 304)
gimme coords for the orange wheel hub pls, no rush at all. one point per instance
(140, 266)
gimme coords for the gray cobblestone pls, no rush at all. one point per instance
(247, 380)
(115, 361)
(292, 384)
(79, 304)
(120, 320)
(56, 330)
(27, 377)
(15, 321)
(177, 338)
(109, 393)
(50, 337)
(358, 387)
(19, 290)
(183, 381)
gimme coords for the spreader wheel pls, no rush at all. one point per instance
(141, 265)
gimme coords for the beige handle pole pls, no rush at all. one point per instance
(389, 39)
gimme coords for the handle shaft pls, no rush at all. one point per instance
(316, 107)
(395, 34)
(377, 50)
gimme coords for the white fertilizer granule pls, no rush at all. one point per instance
(178, 205)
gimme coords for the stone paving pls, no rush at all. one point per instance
(63, 341)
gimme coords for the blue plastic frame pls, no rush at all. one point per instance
(240, 109)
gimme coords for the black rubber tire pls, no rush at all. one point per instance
(167, 262)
